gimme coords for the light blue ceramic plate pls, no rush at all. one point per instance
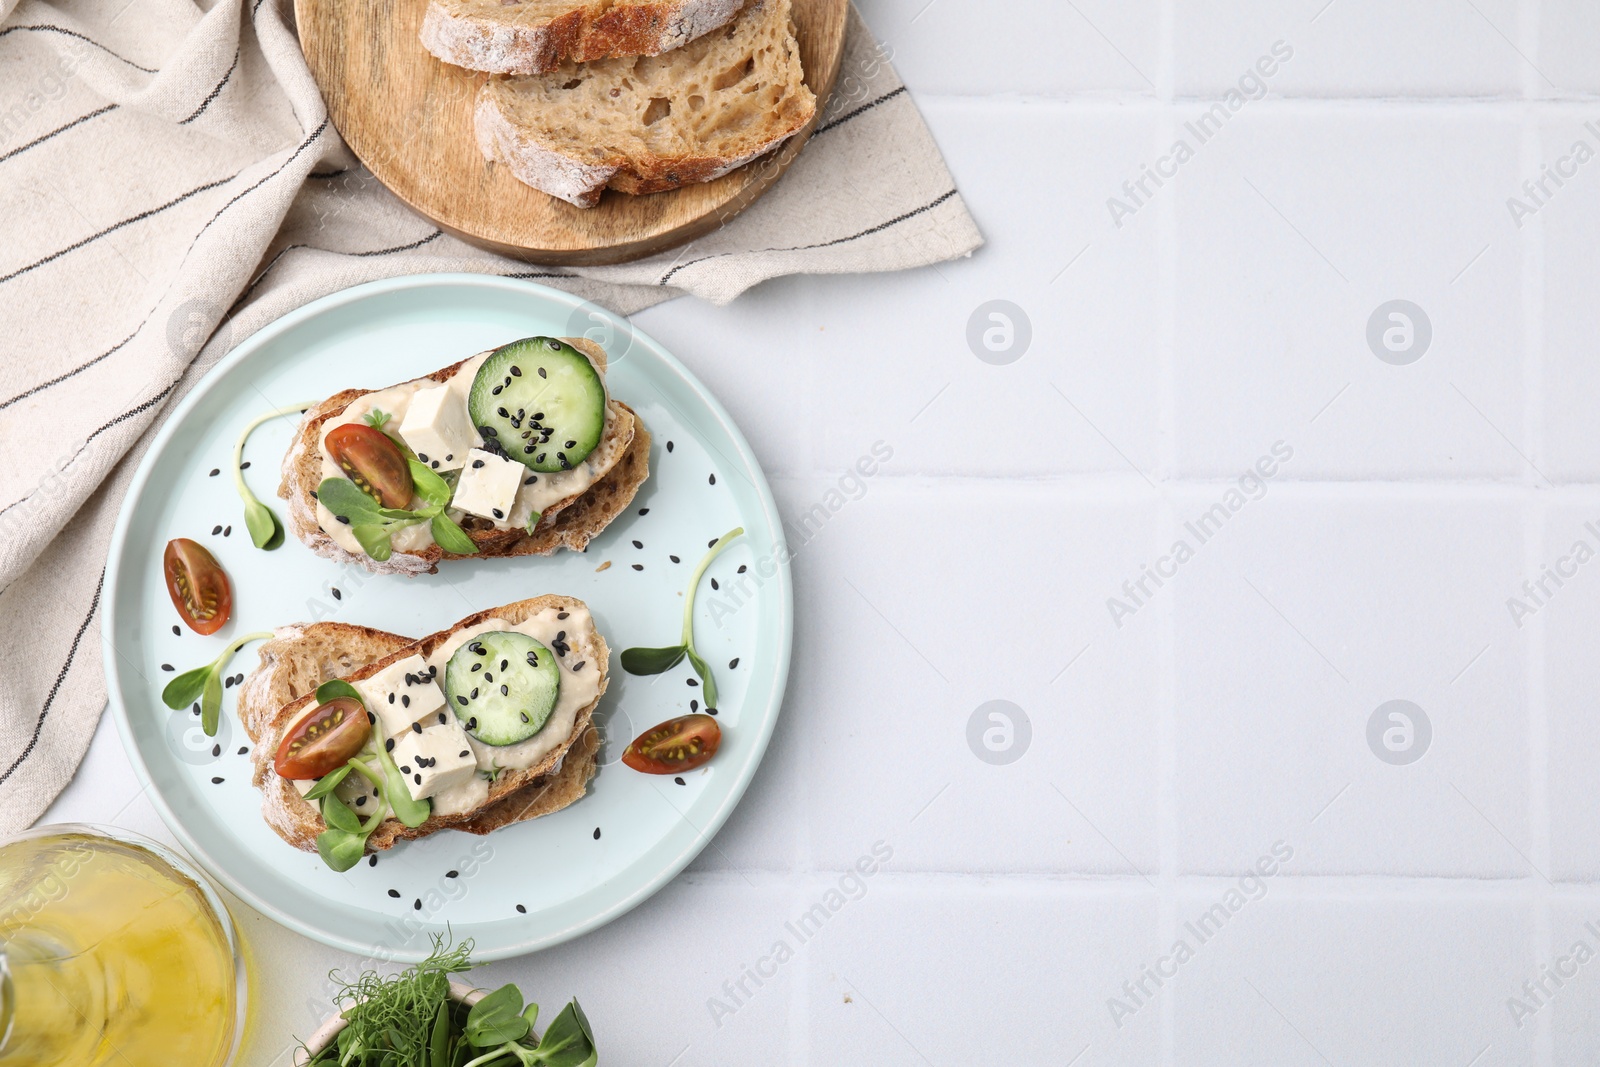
(527, 886)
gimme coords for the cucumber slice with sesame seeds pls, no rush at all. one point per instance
(540, 402)
(502, 686)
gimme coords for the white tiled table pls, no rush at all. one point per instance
(1228, 713)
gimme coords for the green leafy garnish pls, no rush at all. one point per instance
(412, 813)
(336, 688)
(266, 531)
(657, 660)
(533, 520)
(373, 525)
(376, 418)
(204, 685)
(409, 1020)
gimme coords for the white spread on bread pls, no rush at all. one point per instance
(548, 489)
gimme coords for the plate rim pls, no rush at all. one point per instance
(212, 380)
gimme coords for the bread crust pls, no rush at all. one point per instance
(557, 780)
(500, 42)
(568, 523)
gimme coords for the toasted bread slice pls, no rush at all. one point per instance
(535, 36)
(299, 658)
(569, 523)
(645, 125)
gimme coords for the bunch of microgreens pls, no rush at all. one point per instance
(409, 1020)
(657, 660)
(373, 525)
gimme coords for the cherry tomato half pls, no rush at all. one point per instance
(373, 462)
(675, 746)
(323, 740)
(198, 585)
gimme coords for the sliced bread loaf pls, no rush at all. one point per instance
(649, 124)
(298, 654)
(535, 36)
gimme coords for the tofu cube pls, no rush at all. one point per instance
(488, 485)
(400, 694)
(436, 759)
(438, 429)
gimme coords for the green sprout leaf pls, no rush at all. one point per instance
(336, 688)
(211, 703)
(340, 850)
(569, 1042)
(186, 688)
(651, 660)
(412, 813)
(376, 418)
(375, 540)
(497, 1018)
(432, 490)
(439, 1042)
(347, 501)
(337, 814)
(328, 783)
(533, 521)
(451, 537)
(657, 660)
(266, 531)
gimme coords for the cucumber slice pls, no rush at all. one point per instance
(540, 402)
(502, 686)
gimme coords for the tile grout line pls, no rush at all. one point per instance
(1535, 523)
(1166, 617)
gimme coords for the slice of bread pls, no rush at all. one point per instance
(654, 123)
(299, 658)
(535, 36)
(569, 523)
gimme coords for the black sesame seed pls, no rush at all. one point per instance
(343, 518)
(644, 511)
(714, 584)
(405, 701)
(217, 781)
(441, 718)
(711, 543)
(496, 390)
(216, 750)
(461, 700)
(669, 446)
(597, 833)
(243, 749)
(713, 479)
(477, 667)
(395, 893)
(416, 728)
(417, 778)
(638, 544)
(502, 412)
(388, 746)
(532, 477)
(406, 769)
(472, 724)
(474, 693)
(521, 910)
(638, 566)
(694, 705)
(391, 698)
(678, 780)
(215, 530)
(742, 568)
(166, 666)
(498, 513)
(214, 472)
(464, 753)
(570, 444)
(227, 683)
(434, 464)
(562, 614)
(675, 559)
(361, 801)
(691, 681)
(539, 458)
(245, 465)
(537, 415)
(196, 709)
(733, 663)
(452, 874)
(527, 450)
(176, 632)
(542, 374)
(372, 860)
(711, 711)
(578, 666)
(422, 456)
(449, 456)
(477, 463)
(516, 372)
(371, 718)
(336, 594)
(489, 431)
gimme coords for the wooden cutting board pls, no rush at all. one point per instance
(408, 117)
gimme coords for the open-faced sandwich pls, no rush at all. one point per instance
(364, 738)
(516, 451)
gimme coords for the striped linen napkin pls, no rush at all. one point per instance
(170, 183)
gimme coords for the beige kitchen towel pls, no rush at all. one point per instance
(170, 183)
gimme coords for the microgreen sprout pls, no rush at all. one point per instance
(266, 531)
(204, 684)
(657, 660)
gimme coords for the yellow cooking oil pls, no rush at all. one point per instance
(111, 956)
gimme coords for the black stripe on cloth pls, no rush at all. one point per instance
(79, 369)
(141, 216)
(47, 28)
(842, 119)
(214, 93)
(17, 151)
(124, 417)
(246, 192)
(879, 228)
(539, 274)
(434, 236)
(61, 677)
